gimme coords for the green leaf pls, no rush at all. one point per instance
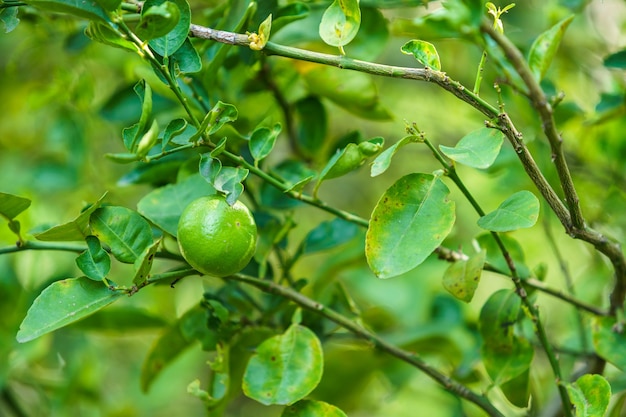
(517, 390)
(383, 161)
(157, 20)
(478, 149)
(609, 341)
(259, 40)
(122, 320)
(74, 230)
(95, 262)
(143, 264)
(164, 205)
(424, 52)
(88, 9)
(328, 235)
(505, 355)
(191, 327)
(519, 211)
(289, 13)
(494, 254)
(12, 205)
(104, 33)
(285, 368)
(148, 140)
(262, 141)
(110, 5)
(186, 59)
(311, 125)
(312, 408)
(8, 17)
(545, 46)
(340, 22)
(62, 303)
(408, 223)
(354, 91)
(590, 395)
(217, 117)
(462, 277)
(168, 44)
(124, 230)
(616, 60)
(174, 128)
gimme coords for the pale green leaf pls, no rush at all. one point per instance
(383, 161)
(609, 341)
(74, 230)
(12, 205)
(462, 277)
(545, 46)
(312, 408)
(590, 395)
(424, 52)
(340, 22)
(477, 149)
(519, 211)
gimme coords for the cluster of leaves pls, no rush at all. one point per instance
(211, 146)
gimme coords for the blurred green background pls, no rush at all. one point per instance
(65, 99)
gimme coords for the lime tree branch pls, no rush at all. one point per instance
(408, 357)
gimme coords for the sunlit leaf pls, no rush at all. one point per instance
(409, 222)
(478, 149)
(383, 161)
(12, 205)
(312, 408)
(609, 341)
(62, 303)
(285, 368)
(94, 262)
(590, 395)
(164, 205)
(424, 52)
(168, 44)
(462, 277)
(124, 230)
(519, 211)
(340, 22)
(74, 230)
(545, 46)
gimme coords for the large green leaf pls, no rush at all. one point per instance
(311, 408)
(477, 149)
(124, 230)
(167, 45)
(340, 22)
(77, 229)
(88, 9)
(590, 395)
(519, 211)
(164, 205)
(285, 368)
(12, 205)
(462, 277)
(545, 46)
(408, 223)
(609, 341)
(62, 303)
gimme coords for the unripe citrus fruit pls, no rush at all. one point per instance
(216, 238)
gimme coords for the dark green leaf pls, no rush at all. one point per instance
(289, 13)
(124, 230)
(424, 52)
(230, 182)
(285, 368)
(328, 235)
(167, 45)
(616, 60)
(88, 9)
(478, 149)
(164, 205)
(262, 141)
(519, 211)
(77, 229)
(311, 125)
(12, 205)
(383, 161)
(545, 46)
(62, 303)
(495, 258)
(517, 390)
(94, 262)
(590, 395)
(340, 22)
(312, 408)
(504, 365)
(408, 223)
(497, 318)
(157, 20)
(217, 117)
(186, 59)
(609, 341)
(174, 128)
(462, 277)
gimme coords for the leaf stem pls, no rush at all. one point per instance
(408, 357)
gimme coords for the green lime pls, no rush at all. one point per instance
(216, 238)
